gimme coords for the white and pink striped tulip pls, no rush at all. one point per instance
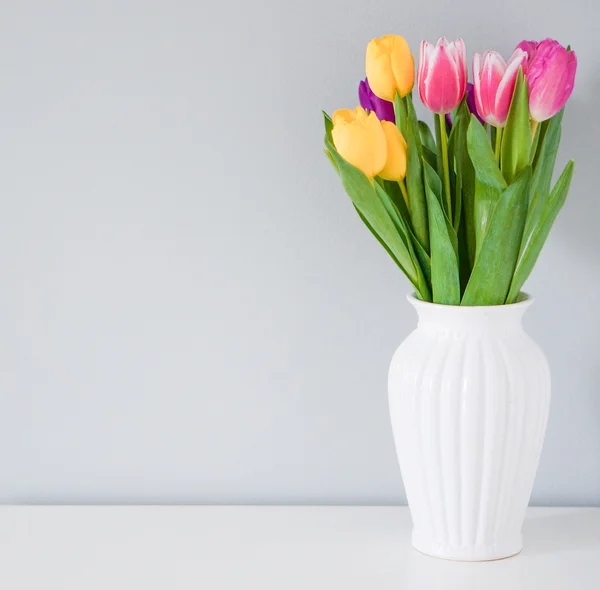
(495, 81)
(442, 76)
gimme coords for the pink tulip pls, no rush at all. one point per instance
(495, 83)
(550, 78)
(529, 48)
(442, 74)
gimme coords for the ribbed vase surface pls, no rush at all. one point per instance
(469, 393)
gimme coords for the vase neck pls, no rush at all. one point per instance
(480, 319)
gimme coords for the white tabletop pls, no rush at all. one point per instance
(282, 548)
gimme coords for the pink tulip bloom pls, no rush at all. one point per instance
(550, 78)
(529, 48)
(495, 82)
(442, 76)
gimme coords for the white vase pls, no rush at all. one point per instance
(469, 394)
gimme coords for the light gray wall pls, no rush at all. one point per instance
(190, 310)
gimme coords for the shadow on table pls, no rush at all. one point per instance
(568, 531)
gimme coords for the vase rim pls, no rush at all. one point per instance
(525, 300)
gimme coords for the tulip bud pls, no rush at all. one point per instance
(551, 78)
(495, 84)
(442, 76)
(371, 102)
(390, 67)
(395, 165)
(359, 139)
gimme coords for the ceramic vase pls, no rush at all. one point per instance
(469, 394)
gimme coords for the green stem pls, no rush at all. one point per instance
(533, 125)
(446, 164)
(498, 143)
(404, 191)
(400, 113)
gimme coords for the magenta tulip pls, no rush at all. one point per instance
(529, 48)
(442, 76)
(550, 78)
(495, 84)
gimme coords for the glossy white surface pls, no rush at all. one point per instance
(276, 548)
(469, 393)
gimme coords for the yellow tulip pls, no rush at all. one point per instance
(360, 139)
(395, 166)
(390, 67)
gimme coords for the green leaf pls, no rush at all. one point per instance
(465, 190)
(516, 139)
(466, 186)
(489, 182)
(378, 238)
(534, 242)
(455, 178)
(413, 122)
(414, 177)
(403, 227)
(546, 159)
(331, 159)
(363, 194)
(439, 167)
(495, 264)
(424, 261)
(430, 157)
(328, 124)
(445, 281)
(543, 127)
(534, 144)
(392, 188)
(427, 137)
(400, 114)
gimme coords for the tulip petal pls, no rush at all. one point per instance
(363, 96)
(395, 166)
(470, 92)
(424, 57)
(477, 84)
(461, 64)
(390, 67)
(442, 76)
(494, 69)
(506, 87)
(384, 109)
(403, 65)
(360, 140)
(551, 78)
(441, 83)
(529, 47)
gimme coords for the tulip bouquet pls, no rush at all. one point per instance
(465, 209)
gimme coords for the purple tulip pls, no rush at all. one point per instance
(471, 101)
(382, 108)
(470, 104)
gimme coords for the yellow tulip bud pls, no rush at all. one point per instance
(359, 138)
(395, 166)
(390, 67)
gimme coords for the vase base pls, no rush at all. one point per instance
(468, 552)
